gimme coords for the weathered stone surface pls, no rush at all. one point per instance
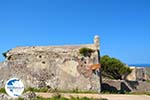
(56, 67)
(29, 96)
(25, 96)
(139, 74)
(132, 75)
(125, 86)
(142, 86)
(4, 97)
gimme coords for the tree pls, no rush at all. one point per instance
(113, 68)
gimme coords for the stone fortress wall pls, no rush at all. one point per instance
(56, 67)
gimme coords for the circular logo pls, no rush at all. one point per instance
(14, 87)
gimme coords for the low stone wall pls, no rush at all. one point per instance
(123, 86)
(143, 87)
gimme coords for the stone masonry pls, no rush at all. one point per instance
(55, 67)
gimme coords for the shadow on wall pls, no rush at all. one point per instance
(124, 86)
(133, 84)
(107, 88)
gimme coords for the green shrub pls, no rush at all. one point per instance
(2, 90)
(148, 81)
(44, 89)
(71, 98)
(4, 54)
(85, 98)
(86, 52)
(20, 99)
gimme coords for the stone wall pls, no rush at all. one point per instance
(56, 67)
(139, 73)
(122, 86)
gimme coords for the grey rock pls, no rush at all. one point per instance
(28, 96)
(4, 97)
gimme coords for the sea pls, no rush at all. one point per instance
(140, 65)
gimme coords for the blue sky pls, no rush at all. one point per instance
(123, 25)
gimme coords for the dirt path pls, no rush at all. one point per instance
(108, 96)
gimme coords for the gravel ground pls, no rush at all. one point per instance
(107, 96)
